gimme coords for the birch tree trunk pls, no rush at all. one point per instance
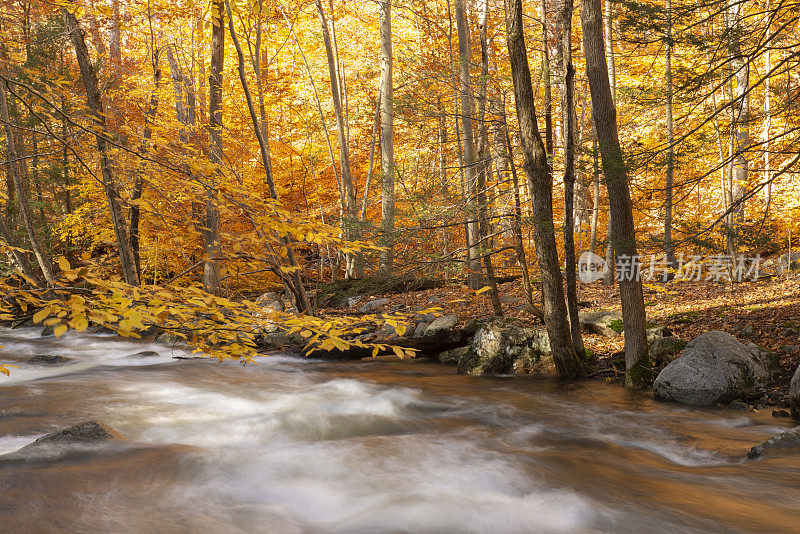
(740, 120)
(637, 360)
(468, 140)
(540, 182)
(484, 161)
(387, 138)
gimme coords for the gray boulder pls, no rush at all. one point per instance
(794, 394)
(170, 339)
(419, 331)
(662, 349)
(789, 439)
(373, 305)
(49, 359)
(714, 367)
(603, 322)
(501, 348)
(440, 324)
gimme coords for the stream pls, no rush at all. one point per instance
(303, 446)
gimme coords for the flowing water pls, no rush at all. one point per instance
(296, 446)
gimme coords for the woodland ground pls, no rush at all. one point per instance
(765, 311)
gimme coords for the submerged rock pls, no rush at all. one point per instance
(501, 348)
(84, 432)
(714, 367)
(605, 323)
(789, 439)
(144, 354)
(50, 359)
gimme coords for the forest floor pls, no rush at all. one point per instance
(764, 311)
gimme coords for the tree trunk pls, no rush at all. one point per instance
(637, 360)
(387, 138)
(293, 282)
(469, 157)
(568, 115)
(348, 192)
(596, 191)
(211, 232)
(608, 29)
(138, 183)
(740, 120)
(484, 161)
(19, 172)
(540, 182)
(112, 187)
(669, 247)
(767, 113)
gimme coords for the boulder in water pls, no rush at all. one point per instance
(502, 348)
(144, 354)
(49, 359)
(789, 439)
(85, 431)
(605, 323)
(714, 367)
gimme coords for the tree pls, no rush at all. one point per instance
(110, 183)
(568, 114)
(468, 141)
(604, 113)
(348, 193)
(211, 231)
(387, 136)
(540, 183)
(669, 246)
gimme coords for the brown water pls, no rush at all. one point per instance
(292, 446)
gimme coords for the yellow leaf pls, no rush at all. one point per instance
(59, 330)
(484, 289)
(40, 315)
(63, 264)
(400, 329)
